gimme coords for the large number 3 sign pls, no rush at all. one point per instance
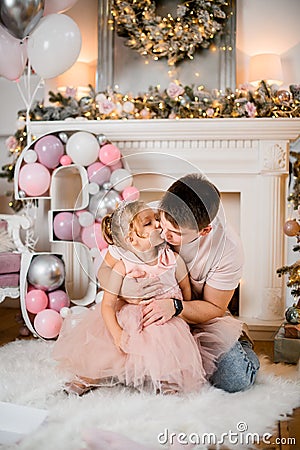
(84, 177)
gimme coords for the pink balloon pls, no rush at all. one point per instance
(65, 160)
(47, 323)
(36, 300)
(98, 173)
(49, 150)
(34, 179)
(92, 236)
(131, 193)
(58, 6)
(109, 154)
(66, 226)
(13, 55)
(116, 166)
(58, 299)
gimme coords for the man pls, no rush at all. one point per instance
(193, 223)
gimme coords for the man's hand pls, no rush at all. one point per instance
(157, 311)
(136, 287)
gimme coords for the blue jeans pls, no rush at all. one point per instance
(236, 369)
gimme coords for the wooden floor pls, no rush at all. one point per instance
(286, 435)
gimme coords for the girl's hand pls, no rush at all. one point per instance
(157, 311)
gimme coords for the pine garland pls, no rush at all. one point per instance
(174, 102)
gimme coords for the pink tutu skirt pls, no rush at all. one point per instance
(158, 358)
(215, 338)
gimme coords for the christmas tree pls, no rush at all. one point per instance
(292, 228)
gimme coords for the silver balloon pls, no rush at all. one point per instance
(105, 202)
(46, 272)
(102, 139)
(63, 137)
(22, 194)
(20, 17)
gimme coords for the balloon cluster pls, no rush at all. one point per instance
(34, 30)
(46, 295)
(108, 181)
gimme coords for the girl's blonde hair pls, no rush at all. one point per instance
(117, 225)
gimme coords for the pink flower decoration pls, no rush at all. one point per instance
(145, 113)
(71, 92)
(106, 106)
(128, 107)
(174, 90)
(250, 109)
(210, 112)
(11, 143)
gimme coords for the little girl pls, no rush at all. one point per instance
(109, 344)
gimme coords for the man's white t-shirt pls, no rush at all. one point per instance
(215, 259)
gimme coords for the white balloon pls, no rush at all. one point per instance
(30, 156)
(99, 297)
(64, 312)
(86, 219)
(54, 45)
(121, 179)
(94, 188)
(83, 148)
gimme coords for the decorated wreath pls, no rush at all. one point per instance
(176, 38)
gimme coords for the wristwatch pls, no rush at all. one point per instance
(178, 306)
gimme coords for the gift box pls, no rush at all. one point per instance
(9, 280)
(292, 330)
(286, 349)
(10, 262)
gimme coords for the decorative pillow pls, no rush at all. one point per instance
(6, 242)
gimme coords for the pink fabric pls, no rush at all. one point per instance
(156, 358)
(9, 280)
(10, 262)
(216, 337)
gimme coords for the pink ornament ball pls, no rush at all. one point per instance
(58, 299)
(98, 173)
(109, 154)
(36, 300)
(65, 160)
(66, 226)
(47, 323)
(49, 150)
(34, 179)
(131, 194)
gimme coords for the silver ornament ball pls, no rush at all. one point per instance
(105, 202)
(46, 272)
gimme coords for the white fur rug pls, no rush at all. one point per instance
(28, 377)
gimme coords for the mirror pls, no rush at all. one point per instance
(118, 65)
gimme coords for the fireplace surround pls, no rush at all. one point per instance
(247, 159)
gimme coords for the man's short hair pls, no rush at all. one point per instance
(191, 202)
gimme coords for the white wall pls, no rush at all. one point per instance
(268, 26)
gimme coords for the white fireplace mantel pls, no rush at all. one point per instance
(247, 157)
